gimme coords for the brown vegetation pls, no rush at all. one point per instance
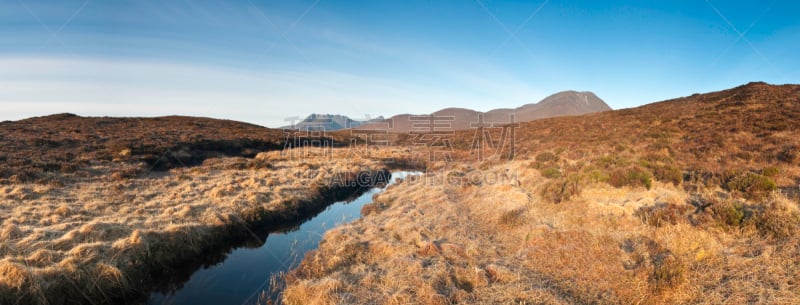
(688, 201)
(104, 241)
(506, 243)
(61, 147)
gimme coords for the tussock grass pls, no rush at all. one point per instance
(676, 202)
(507, 243)
(104, 240)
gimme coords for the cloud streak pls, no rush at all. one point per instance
(32, 86)
(263, 62)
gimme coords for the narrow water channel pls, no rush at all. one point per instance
(242, 275)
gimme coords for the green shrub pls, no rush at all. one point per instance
(633, 176)
(729, 213)
(752, 185)
(546, 157)
(613, 161)
(662, 168)
(598, 176)
(551, 173)
(770, 171)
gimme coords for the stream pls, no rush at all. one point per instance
(244, 273)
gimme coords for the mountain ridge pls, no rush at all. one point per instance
(328, 122)
(564, 103)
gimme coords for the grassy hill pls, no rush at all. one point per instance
(687, 201)
(708, 137)
(65, 146)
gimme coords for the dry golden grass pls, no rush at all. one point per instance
(99, 241)
(677, 202)
(503, 243)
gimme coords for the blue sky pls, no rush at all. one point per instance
(264, 61)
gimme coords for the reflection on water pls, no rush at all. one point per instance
(239, 274)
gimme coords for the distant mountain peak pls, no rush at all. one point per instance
(573, 96)
(563, 103)
(328, 122)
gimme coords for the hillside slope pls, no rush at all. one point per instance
(35, 149)
(747, 127)
(687, 201)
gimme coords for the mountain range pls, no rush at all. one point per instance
(566, 103)
(329, 122)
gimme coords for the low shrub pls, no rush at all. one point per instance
(770, 171)
(789, 155)
(596, 175)
(659, 215)
(752, 185)
(513, 218)
(667, 173)
(777, 221)
(778, 225)
(668, 271)
(551, 173)
(546, 157)
(729, 213)
(658, 158)
(613, 161)
(744, 155)
(562, 189)
(633, 176)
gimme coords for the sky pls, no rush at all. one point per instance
(265, 62)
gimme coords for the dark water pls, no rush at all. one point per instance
(242, 275)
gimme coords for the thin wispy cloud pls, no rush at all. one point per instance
(39, 86)
(261, 61)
